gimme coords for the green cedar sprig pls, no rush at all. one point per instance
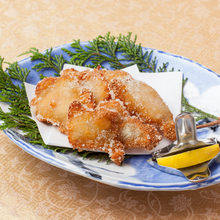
(47, 60)
(105, 49)
(10, 92)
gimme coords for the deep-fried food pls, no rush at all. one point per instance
(167, 127)
(143, 101)
(95, 129)
(103, 110)
(53, 97)
(73, 73)
(55, 94)
(93, 80)
(97, 84)
(115, 74)
(109, 128)
(133, 132)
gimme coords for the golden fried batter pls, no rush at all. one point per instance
(53, 97)
(55, 94)
(133, 132)
(92, 80)
(96, 83)
(95, 129)
(74, 73)
(115, 74)
(102, 110)
(143, 101)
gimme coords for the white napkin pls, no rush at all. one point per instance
(167, 84)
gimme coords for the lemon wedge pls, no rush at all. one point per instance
(189, 158)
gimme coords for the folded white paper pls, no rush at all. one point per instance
(167, 84)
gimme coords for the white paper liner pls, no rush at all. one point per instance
(167, 84)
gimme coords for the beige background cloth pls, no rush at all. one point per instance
(32, 189)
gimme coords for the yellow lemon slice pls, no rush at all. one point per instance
(189, 158)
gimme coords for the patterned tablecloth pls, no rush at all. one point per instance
(32, 189)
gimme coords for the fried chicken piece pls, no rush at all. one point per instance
(114, 106)
(97, 80)
(115, 74)
(53, 97)
(143, 101)
(92, 80)
(104, 111)
(97, 84)
(73, 73)
(54, 94)
(95, 129)
(133, 132)
(167, 127)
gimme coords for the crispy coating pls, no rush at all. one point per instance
(103, 110)
(53, 97)
(168, 129)
(133, 132)
(143, 101)
(55, 94)
(95, 129)
(97, 84)
(114, 106)
(73, 73)
(115, 74)
(92, 80)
